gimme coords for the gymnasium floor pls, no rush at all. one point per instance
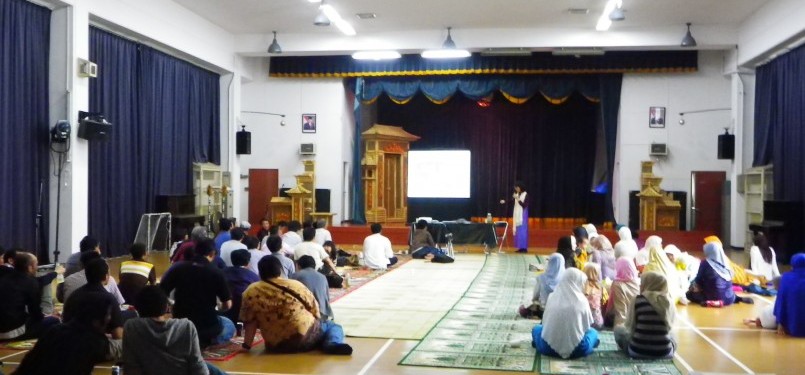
(710, 340)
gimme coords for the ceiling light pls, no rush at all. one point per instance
(366, 16)
(519, 51)
(688, 40)
(448, 50)
(604, 22)
(327, 11)
(376, 55)
(578, 51)
(579, 11)
(321, 19)
(274, 47)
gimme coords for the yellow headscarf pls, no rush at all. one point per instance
(658, 262)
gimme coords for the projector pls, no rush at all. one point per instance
(93, 126)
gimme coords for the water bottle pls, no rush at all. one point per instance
(240, 329)
(116, 370)
(488, 218)
(347, 280)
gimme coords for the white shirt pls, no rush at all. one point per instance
(291, 238)
(377, 251)
(79, 279)
(256, 256)
(322, 235)
(228, 247)
(760, 267)
(313, 249)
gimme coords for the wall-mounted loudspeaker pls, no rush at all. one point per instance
(243, 142)
(726, 146)
(93, 126)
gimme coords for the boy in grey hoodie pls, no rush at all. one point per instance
(157, 344)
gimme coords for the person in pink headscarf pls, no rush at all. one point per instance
(624, 289)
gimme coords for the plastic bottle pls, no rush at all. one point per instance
(347, 280)
(488, 218)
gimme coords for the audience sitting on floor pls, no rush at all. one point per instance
(322, 234)
(603, 254)
(180, 236)
(79, 279)
(155, 343)
(309, 247)
(647, 332)
(377, 251)
(659, 262)
(763, 259)
(624, 289)
(789, 308)
(234, 243)
(594, 292)
(626, 246)
(223, 235)
(546, 283)
(21, 314)
(339, 257)
(423, 246)
(265, 227)
(581, 248)
(135, 273)
(7, 261)
(292, 237)
(73, 263)
(45, 280)
(275, 244)
(97, 272)
(238, 278)
(642, 257)
(287, 314)
(198, 234)
(78, 344)
(256, 252)
(566, 330)
(713, 283)
(564, 247)
(197, 286)
(766, 318)
(316, 283)
(686, 264)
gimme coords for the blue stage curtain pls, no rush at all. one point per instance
(24, 123)
(358, 211)
(165, 113)
(610, 102)
(780, 123)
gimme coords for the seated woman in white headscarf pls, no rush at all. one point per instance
(566, 330)
(687, 265)
(624, 289)
(546, 283)
(647, 333)
(658, 262)
(641, 259)
(626, 246)
(604, 255)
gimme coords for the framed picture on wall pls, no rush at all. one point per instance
(656, 117)
(309, 123)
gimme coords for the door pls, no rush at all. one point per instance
(392, 184)
(263, 185)
(705, 200)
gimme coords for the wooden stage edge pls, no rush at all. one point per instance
(542, 238)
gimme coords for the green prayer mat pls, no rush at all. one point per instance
(483, 329)
(606, 359)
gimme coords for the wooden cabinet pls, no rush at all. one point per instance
(384, 169)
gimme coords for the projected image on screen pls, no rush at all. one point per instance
(439, 174)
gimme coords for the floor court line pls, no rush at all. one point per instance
(717, 347)
(684, 363)
(11, 355)
(374, 359)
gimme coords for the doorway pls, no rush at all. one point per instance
(263, 185)
(705, 200)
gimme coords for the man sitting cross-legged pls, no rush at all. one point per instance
(156, 343)
(287, 314)
(317, 283)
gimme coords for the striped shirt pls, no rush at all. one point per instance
(651, 337)
(134, 275)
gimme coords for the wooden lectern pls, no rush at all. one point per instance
(384, 170)
(658, 209)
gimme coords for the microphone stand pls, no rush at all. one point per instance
(38, 220)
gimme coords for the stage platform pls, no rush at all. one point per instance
(538, 238)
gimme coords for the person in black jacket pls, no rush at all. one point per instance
(21, 315)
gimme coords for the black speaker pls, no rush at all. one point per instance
(726, 146)
(243, 142)
(93, 126)
(322, 200)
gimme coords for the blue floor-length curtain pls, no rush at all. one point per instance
(610, 102)
(165, 113)
(780, 123)
(24, 123)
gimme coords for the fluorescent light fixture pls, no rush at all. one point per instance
(445, 53)
(332, 14)
(519, 51)
(604, 22)
(376, 55)
(578, 51)
(448, 50)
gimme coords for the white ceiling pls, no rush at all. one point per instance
(296, 16)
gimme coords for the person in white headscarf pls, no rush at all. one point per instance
(604, 255)
(566, 330)
(686, 264)
(647, 332)
(546, 284)
(626, 247)
(642, 257)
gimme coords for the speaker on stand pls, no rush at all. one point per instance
(243, 142)
(726, 145)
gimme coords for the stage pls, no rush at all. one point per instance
(538, 238)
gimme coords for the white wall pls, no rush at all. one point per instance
(774, 25)
(277, 147)
(692, 147)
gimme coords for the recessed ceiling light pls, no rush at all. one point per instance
(580, 11)
(366, 16)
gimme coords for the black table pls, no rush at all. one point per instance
(463, 233)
